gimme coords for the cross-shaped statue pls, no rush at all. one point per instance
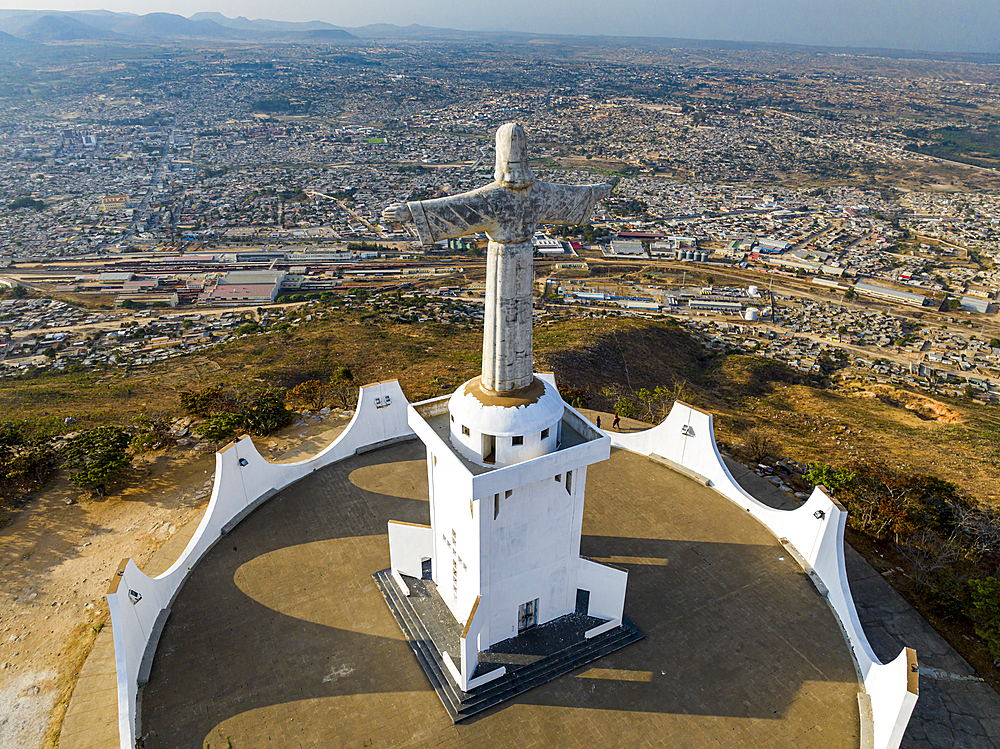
(508, 210)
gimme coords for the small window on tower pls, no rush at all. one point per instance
(517, 440)
(527, 615)
(508, 494)
(545, 434)
(465, 431)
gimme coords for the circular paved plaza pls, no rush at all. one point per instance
(280, 637)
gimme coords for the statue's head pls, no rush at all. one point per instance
(512, 157)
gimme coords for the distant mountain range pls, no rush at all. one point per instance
(42, 28)
(9, 41)
(72, 26)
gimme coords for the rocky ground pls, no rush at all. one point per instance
(59, 548)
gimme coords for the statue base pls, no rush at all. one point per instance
(533, 658)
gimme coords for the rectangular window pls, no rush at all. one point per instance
(569, 482)
(517, 440)
(496, 506)
(545, 434)
(527, 615)
(465, 431)
(507, 494)
(489, 449)
(558, 477)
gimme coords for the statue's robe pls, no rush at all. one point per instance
(508, 216)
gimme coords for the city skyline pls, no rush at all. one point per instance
(962, 26)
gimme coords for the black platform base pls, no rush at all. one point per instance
(537, 656)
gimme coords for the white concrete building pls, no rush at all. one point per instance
(506, 457)
(507, 485)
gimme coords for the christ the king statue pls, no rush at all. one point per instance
(508, 210)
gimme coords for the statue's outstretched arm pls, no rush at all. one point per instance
(397, 213)
(570, 204)
(444, 218)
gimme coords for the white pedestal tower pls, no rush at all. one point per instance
(506, 457)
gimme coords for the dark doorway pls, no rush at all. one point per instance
(489, 449)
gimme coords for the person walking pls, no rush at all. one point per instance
(598, 422)
(616, 422)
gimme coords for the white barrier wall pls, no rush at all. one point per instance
(470, 646)
(606, 585)
(409, 545)
(139, 604)
(814, 533)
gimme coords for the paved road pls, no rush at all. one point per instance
(140, 211)
(956, 709)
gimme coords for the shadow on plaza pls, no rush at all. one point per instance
(729, 631)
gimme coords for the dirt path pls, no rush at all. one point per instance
(57, 554)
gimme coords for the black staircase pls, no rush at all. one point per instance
(535, 657)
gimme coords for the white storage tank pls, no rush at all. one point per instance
(751, 314)
(752, 291)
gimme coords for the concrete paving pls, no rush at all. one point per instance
(956, 709)
(91, 720)
(280, 638)
(598, 706)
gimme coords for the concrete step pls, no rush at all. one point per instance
(418, 639)
(547, 669)
(517, 680)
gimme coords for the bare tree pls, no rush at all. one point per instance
(928, 553)
(979, 526)
(759, 443)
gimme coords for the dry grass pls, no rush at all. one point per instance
(950, 438)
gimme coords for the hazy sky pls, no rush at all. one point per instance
(938, 25)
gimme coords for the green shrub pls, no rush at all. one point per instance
(258, 411)
(205, 401)
(23, 468)
(834, 479)
(266, 412)
(147, 432)
(312, 393)
(342, 385)
(986, 612)
(26, 454)
(223, 426)
(886, 501)
(98, 456)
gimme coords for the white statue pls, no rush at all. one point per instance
(508, 210)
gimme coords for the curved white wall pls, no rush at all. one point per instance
(815, 533)
(139, 604)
